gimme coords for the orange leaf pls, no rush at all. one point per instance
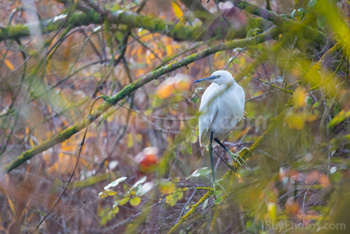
(165, 89)
(9, 64)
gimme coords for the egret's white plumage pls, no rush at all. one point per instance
(222, 106)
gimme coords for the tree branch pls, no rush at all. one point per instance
(284, 24)
(244, 154)
(198, 10)
(127, 90)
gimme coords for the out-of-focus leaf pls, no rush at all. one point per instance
(124, 201)
(147, 159)
(299, 96)
(145, 188)
(193, 139)
(167, 187)
(107, 193)
(9, 64)
(205, 204)
(272, 211)
(165, 89)
(200, 172)
(249, 224)
(180, 82)
(340, 117)
(333, 18)
(172, 198)
(115, 210)
(115, 183)
(291, 207)
(140, 181)
(297, 120)
(177, 10)
(218, 200)
(130, 140)
(135, 201)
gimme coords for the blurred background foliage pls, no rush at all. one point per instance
(141, 169)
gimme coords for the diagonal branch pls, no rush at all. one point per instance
(198, 10)
(129, 89)
(283, 23)
(244, 154)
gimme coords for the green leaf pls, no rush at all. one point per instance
(115, 7)
(189, 149)
(316, 104)
(249, 224)
(193, 139)
(218, 200)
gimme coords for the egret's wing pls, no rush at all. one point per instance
(208, 112)
(206, 120)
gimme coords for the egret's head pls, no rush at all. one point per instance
(219, 77)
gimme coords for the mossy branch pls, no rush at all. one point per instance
(246, 153)
(284, 24)
(184, 218)
(230, 174)
(127, 90)
(131, 19)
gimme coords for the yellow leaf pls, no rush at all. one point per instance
(340, 117)
(295, 121)
(110, 192)
(115, 210)
(340, 27)
(130, 141)
(9, 64)
(272, 210)
(171, 199)
(124, 201)
(299, 97)
(135, 201)
(167, 188)
(177, 10)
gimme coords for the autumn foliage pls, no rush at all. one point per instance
(99, 116)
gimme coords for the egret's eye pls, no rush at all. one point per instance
(218, 76)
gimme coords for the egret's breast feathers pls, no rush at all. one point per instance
(221, 108)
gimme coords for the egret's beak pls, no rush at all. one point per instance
(206, 79)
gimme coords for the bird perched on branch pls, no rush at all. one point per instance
(222, 106)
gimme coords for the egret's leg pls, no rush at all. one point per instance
(233, 155)
(227, 164)
(211, 156)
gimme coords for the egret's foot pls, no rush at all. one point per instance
(244, 151)
(237, 156)
(217, 184)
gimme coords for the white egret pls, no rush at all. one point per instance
(222, 106)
